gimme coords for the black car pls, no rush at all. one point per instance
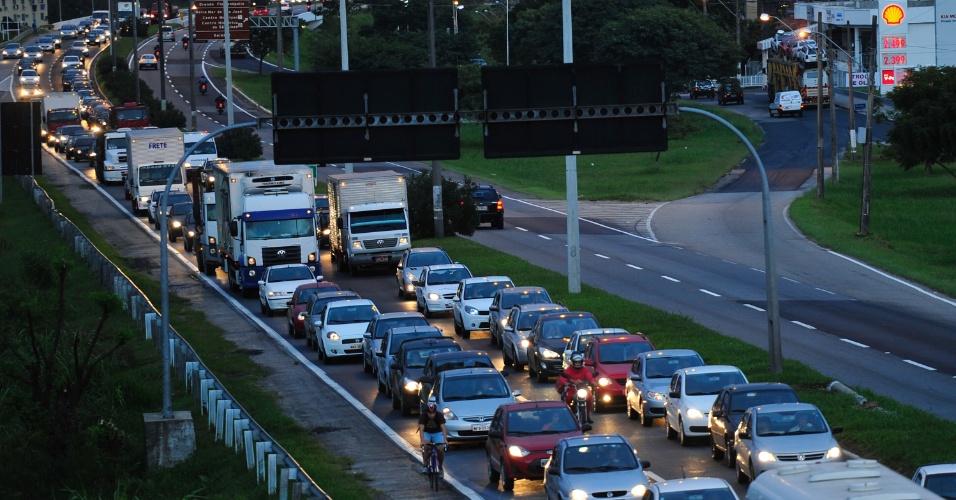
(489, 205)
(69, 144)
(322, 220)
(452, 360)
(407, 367)
(26, 63)
(189, 231)
(83, 149)
(63, 134)
(729, 407)
(176, 219)
(702, 88)
(550, 336)
(730, 92)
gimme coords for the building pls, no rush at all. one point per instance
(21, 14)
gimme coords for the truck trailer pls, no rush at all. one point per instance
(151, 155)
(58, 109)
(368, 220)
(265, 216)
(790, 75)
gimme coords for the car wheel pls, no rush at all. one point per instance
(731, 453)
(465, 333)
(542, 377)
(401, 293)
(366, 367)
(210, 269)
(715, 453)
(771, 113)
(800, 114)
(491, 338)
(321, 348)
(631, 414)
(381, 386)
(531, 372)
(646, 420)
(172, 237)
(741, 101)
(308, 340)
(669, 431)
(518, 366)
(507, 482)
(396, 401)
(506, 357)
(263, 308)
(500, 223)
(406, 409)
(682, 433)
(493, 475)
(741, 476)
(291, 331)
(458, 329)
(326, 359)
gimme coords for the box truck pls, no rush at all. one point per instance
(368, 220)
(58, 109)
(151, 155)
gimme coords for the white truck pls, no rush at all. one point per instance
(265, 216)
(58, 109)
(110, 158)
(857, 478)
(368, 220)
(151, 154)
(205, 152)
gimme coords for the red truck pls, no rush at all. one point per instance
(130, 115)
(58, 109)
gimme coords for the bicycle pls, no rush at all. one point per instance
(433, 471)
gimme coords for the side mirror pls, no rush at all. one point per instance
(455, 299)
(718, 413)
(317, 323)
(505, 373)
(288, 303)
(836, 430)
(673, 394)
(645, 464)
(416, 283)
(552, 471)
(493, 308)
(636, 377)
(586, 428)
(394, 366)
(233, 229)
(379, 353)
(515, 393)
(367, 335)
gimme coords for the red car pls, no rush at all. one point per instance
(521, 437)
(300, 298)
(610, 357)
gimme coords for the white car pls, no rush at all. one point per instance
(278, 283)
(33, 52)
(472, 300)
(595, 466)
(579, 340)
(29, 77)
(648, 378)
(692, 487)
(777, 435)
(341, 326)
(690, 396)
(410, 267)
(47, 44)
(169, 35)
(148, 61)
(468, 398)
(285, 8)
(436, 286)
(68, 31)
(788, 102)
(71, 62)
(938, 478)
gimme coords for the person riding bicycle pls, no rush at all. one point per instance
(431, 429)
(577, 374)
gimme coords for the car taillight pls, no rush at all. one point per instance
(501, 205)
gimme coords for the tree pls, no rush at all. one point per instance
(924, 127)
(261, 42)
(459, 211)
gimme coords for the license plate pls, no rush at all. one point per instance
(354, 347)
(480, 428)
(482, 208)
(381, 258)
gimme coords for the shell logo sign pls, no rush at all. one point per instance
(893, 14)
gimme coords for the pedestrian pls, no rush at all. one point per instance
(35, 32)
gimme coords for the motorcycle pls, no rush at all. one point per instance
(185, 44)
(220, 107)
(579, 401)
(202, 88)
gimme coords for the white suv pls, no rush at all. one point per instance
(473, 299)
(168, 34)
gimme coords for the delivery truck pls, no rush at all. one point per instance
(368, 220)
(151, 155)
(58, 109)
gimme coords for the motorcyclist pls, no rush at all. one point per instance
(577, 374)
(203, 83)
(431, 429)
(185, 42)
(220, 103)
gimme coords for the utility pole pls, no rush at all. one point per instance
(279, 38)
(438, 212)
(192, 69)
(820, 88)
(162, 56)
(849, 71)
(136, 18)
(834, 160)
(110, 21)
(868, 147)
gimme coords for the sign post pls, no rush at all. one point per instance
(210, 19)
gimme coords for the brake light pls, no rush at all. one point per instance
(501, 205)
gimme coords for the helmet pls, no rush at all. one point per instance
(432, 406)
(577, 359)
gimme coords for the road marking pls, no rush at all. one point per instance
(894, 278)
(758, 270)
(853, 342)
(601, 256)
(825, 291)
(755, 308)
(675, 280)
(919, 365)
(808, 327)
(544, 237)
(789, 279)
(519, 228)
(708, 292)
(632, 266)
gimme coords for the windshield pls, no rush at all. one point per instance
(418, 357)
(511, 299)
(540, 421)
(564, 327)
(155, 175)
(129, 114)
(447, 276)
(211, 212)
(790, 423)
(378, 220)
(64, 115)
(665, 367)
(384, 325)
(423, 259)
(744, 400)
(351, 314)
(624, 352)
(474, 387)
(484, 290)
(294, 273)
(703, 384)
(276, 229)
(526, 321)
(206, 148)
(599, 458)
(319, 303)
(116, 143)
(700, 494)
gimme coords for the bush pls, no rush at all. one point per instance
(239, 144)
(459, 212)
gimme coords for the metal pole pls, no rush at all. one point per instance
(819, 109)
(454, 18)
(192, 69)
(571, 169)
(109, 22)
(507, 33)
(834, 160)
(279, 48)
(162, 56)
(136, 18)
(868, 146)
(227, 44)
(344, 42)
(849, 72)
(438, 213)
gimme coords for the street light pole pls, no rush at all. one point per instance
(507, 33)
(192, 69)
(819, 108)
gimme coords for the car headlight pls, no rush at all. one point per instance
(766, 456)
(333, 336)
(251, 261)
(548, 353)
(694, 413)
(579, 495)
(604, 381)
(357, 245)
(834, 453)
(271, 293)
(639, 490)
(411, 385)
(525, 343)
(433, 296)
(518, 451)
(471, 310)
(449, 415)
(656, 396)
(177, 225)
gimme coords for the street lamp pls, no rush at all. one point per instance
(454, 14)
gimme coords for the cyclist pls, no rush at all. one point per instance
(431, 429)
(577, 374)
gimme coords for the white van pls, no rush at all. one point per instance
(851, 479)
(787, 102)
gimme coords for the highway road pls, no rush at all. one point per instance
(703, 257)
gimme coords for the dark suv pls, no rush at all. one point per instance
(702, 88)
(550, 336)
(729, 407)
(730, 92)
(407, 367)
(490, 206)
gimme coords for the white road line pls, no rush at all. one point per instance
(853, 342)
(789, 279)
(544, 237)
(824, 290)
(894, 278)
(708, 292)
(758, 270)
(601, 256)
(808, 327)
(755, 308)
(919, 365)
(598, 224)
(632, 266)
(521, 229)
(668, 278)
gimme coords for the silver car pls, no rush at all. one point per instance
(648, 378)
(372, 339)
(33, 52)
(68, 31)
(468, 398)
(778, 435)
(517, 329)
(410, 267)
(710, 488)
(579, 340)
(595, 466)
(46, 44)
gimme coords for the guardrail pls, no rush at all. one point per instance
(233, 425)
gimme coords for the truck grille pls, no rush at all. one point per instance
(121, 158)
(281, 255)
(382, 243)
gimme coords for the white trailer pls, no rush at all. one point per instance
(151, 154)
(368, 220)
(851, 479)
(265, 215)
